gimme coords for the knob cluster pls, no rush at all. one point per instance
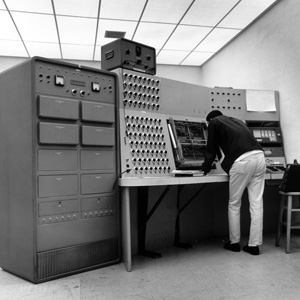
(147, 145)
(141, 92)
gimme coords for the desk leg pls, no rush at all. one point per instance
(126, 229)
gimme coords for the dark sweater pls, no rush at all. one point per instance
(232, 136)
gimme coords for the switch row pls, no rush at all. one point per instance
(138, 119)
(152, 169)
(224, 107)
(144, 127)
(145, 136)
(140, 79)
(58, 218)
(140, 104)
(97, 213)
(145, 143)
(149, 152)
(150, 160)
(223, 93)
(140, 87)
(140, 96)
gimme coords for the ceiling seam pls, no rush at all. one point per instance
(176, 26)
(97, 27)
(139, 21)
(57, 30)
(210, 32)
(16, 28)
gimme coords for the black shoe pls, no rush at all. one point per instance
(232, 247)
(253, 250)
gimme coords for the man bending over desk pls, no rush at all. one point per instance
(242, 158)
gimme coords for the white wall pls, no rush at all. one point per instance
(267, 57)
(8, 62)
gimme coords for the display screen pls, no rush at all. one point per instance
(265, 134)
(191, 136)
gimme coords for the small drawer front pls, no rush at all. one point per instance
(59, 185)
(57, 160)
(97, 203)
(59, 108)
(97, 112)
(54, 133)
(97, 160)
(97, 183)
(58, 207)
(98, 136)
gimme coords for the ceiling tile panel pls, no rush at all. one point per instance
(177, 28)
(122, 10)
(208, 12)
(245, 12)
(7, 28)
(97, 53)
(12, 48)
(186, 37)
(153, 34)
(77, 30)
(114, 25)
(165, 11)
(171, 57)
(36, 27)
(217, 39)
(81, 52)
(37, 6)
(197, 58)
(49, 50)
(78, 8)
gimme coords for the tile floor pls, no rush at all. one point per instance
(206, 271)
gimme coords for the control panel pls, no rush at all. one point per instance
(160, 133)
(229, 101)
(61, 157)
(123, 53)
(145, 148)
(268, 134)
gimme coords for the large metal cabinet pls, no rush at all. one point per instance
(59, 206)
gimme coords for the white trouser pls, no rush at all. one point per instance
(247, 173)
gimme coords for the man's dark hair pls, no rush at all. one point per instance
(213, 114)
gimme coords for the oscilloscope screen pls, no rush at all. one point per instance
(191, 136)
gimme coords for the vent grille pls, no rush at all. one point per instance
(71, 259)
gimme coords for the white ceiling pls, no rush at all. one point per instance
(184, 32)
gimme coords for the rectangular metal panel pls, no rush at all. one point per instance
(57, 160)
(98, 136)
(59, 108)
(58, 185)
(97, 183)
(55, 133)
(97, 159)
(97, 203)
(97, 112)
(58, 207)
(67, 260)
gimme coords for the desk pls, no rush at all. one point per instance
(126, 183)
